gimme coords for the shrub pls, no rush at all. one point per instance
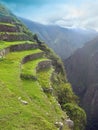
(65, 94)
(76, 114)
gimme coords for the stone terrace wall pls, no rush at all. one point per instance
(43, 65)
(7, 28)
(32, 57)
(19, 47)
(6, 19)
(22, 47)
(14, 37)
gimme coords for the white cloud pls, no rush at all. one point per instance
(83, 15)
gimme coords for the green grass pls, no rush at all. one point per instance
(41, 112)
(12, 33)
(44, 77)
(8, 24)
(30, 67)
(4, 44)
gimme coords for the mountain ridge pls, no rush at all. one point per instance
(64, 41)
(82, 70)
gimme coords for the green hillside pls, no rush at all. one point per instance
(32, 81)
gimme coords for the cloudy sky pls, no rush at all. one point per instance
(67, 13)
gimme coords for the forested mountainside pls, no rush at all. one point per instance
(34, 93)
(64, 41)
(82, 72)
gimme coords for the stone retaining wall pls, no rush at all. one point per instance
(6, 19)
(19, 47)
(13, 37)
(32, 57)
(22, 47)
(7, 28)
(43, 65)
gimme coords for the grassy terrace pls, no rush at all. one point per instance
(4, 44)
(8, 24)
(13, 114)
(44, 77)
(30, 67)
(13, 33)
(20, 55)
(42, 110)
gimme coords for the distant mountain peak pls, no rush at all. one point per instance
(64, 41)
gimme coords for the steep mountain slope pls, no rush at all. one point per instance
(82, 72)
(32, 82)
(63, 41)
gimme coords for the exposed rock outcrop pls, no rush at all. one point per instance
(69, 123)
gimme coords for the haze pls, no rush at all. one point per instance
(66, 13)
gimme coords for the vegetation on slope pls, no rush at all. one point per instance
(63, 90)
(15, 115)
(25, 103)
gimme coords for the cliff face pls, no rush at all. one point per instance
(32, 81)
(82, 72)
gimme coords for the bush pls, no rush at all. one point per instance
(76, 114)
(28, 77)
(66, 95)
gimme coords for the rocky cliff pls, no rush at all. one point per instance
(82, 72)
